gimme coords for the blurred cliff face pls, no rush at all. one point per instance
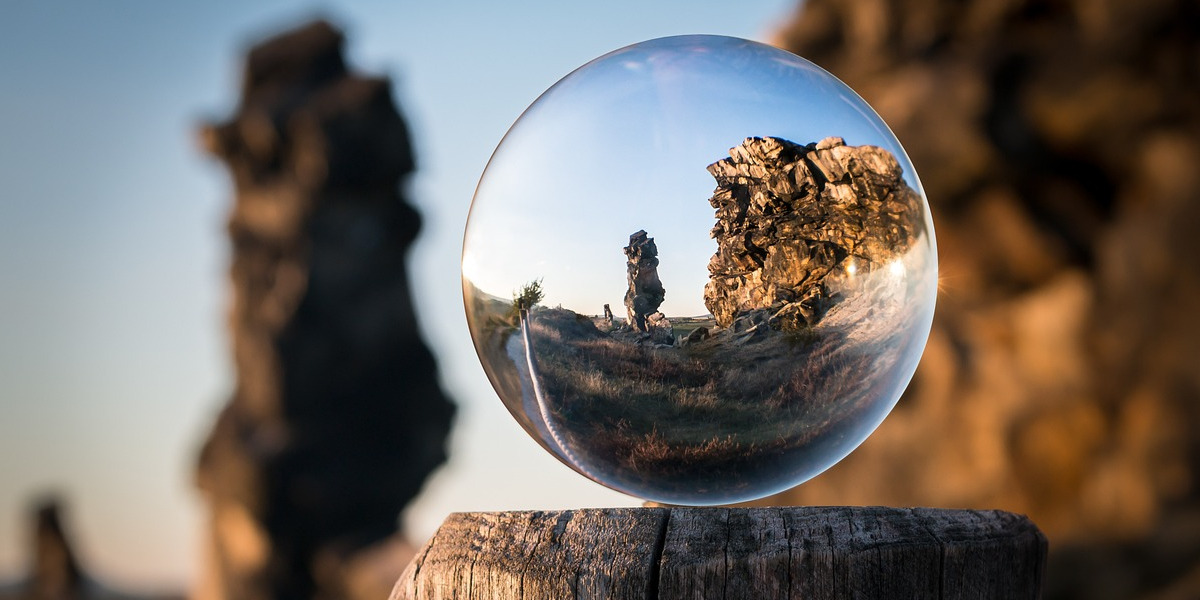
(1059, 145)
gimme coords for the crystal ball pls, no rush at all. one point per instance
(699, 270)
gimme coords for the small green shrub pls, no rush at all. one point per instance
(525, 298)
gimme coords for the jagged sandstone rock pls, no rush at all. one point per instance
(696, 336)
(791, 216)
(660, 330)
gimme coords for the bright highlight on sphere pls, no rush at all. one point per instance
(699, 270)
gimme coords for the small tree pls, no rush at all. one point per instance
(529, 295)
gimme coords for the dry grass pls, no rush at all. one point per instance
(716, 410)
(662, 414)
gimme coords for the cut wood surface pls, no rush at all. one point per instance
(810, 553)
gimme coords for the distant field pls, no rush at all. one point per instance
(686, 325)
(681, 326)
(710, 411)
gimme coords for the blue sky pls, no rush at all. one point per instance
(113, 355)
(622, 145)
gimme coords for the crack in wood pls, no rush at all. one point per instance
(656, 556)
(725, 575)
(787, 536)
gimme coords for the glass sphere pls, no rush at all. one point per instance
(699, 270)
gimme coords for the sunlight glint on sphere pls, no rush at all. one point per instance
(699, 270)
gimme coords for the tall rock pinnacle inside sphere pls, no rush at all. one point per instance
(645, 292)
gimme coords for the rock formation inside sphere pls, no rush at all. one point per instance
(793, 219)
(645, 292)
(821, 293)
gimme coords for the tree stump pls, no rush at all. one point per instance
(814, 553)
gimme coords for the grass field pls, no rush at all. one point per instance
(712, 410)
(732, 411)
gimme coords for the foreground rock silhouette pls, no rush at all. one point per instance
(337, 417)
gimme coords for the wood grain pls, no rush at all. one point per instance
(809, 553)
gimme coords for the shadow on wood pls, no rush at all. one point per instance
(815, 553)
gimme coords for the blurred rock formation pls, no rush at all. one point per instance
(645, 293)
(337, 417)
(788, 216)
(1058, 142)
(56, 572)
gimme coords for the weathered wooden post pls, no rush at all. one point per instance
(814, 553)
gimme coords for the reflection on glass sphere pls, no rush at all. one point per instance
(699, 270)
